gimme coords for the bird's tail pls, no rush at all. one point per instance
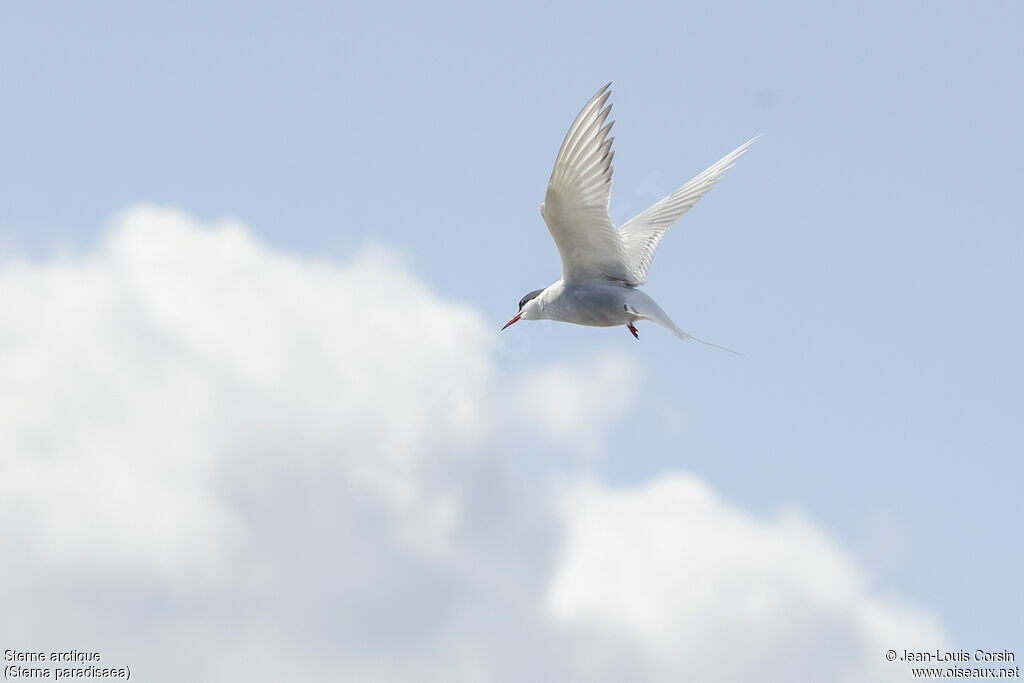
(649, 310)
(683, 335)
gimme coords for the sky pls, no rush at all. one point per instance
(254, 259)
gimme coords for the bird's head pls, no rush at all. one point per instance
(529, 308)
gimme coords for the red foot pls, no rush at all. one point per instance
(633, 330)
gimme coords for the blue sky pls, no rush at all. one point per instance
(864, 255)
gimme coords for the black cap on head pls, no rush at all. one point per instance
(531, 295)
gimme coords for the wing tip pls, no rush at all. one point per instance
(743, 148)
(603, 91)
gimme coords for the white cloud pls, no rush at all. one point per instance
(135, 374)
(578, 402)
(223, 461)
(709, 589)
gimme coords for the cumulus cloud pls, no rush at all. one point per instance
(708, 589)
(224, 461)
(137, 376)
(577, 402)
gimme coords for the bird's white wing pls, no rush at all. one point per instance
(576, 204)
(640, 236)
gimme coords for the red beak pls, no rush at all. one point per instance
(514, 318)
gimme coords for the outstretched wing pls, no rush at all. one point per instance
(641, 235)
(576, 204)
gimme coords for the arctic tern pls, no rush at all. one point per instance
(602, 267)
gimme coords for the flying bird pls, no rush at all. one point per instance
(602, 267)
